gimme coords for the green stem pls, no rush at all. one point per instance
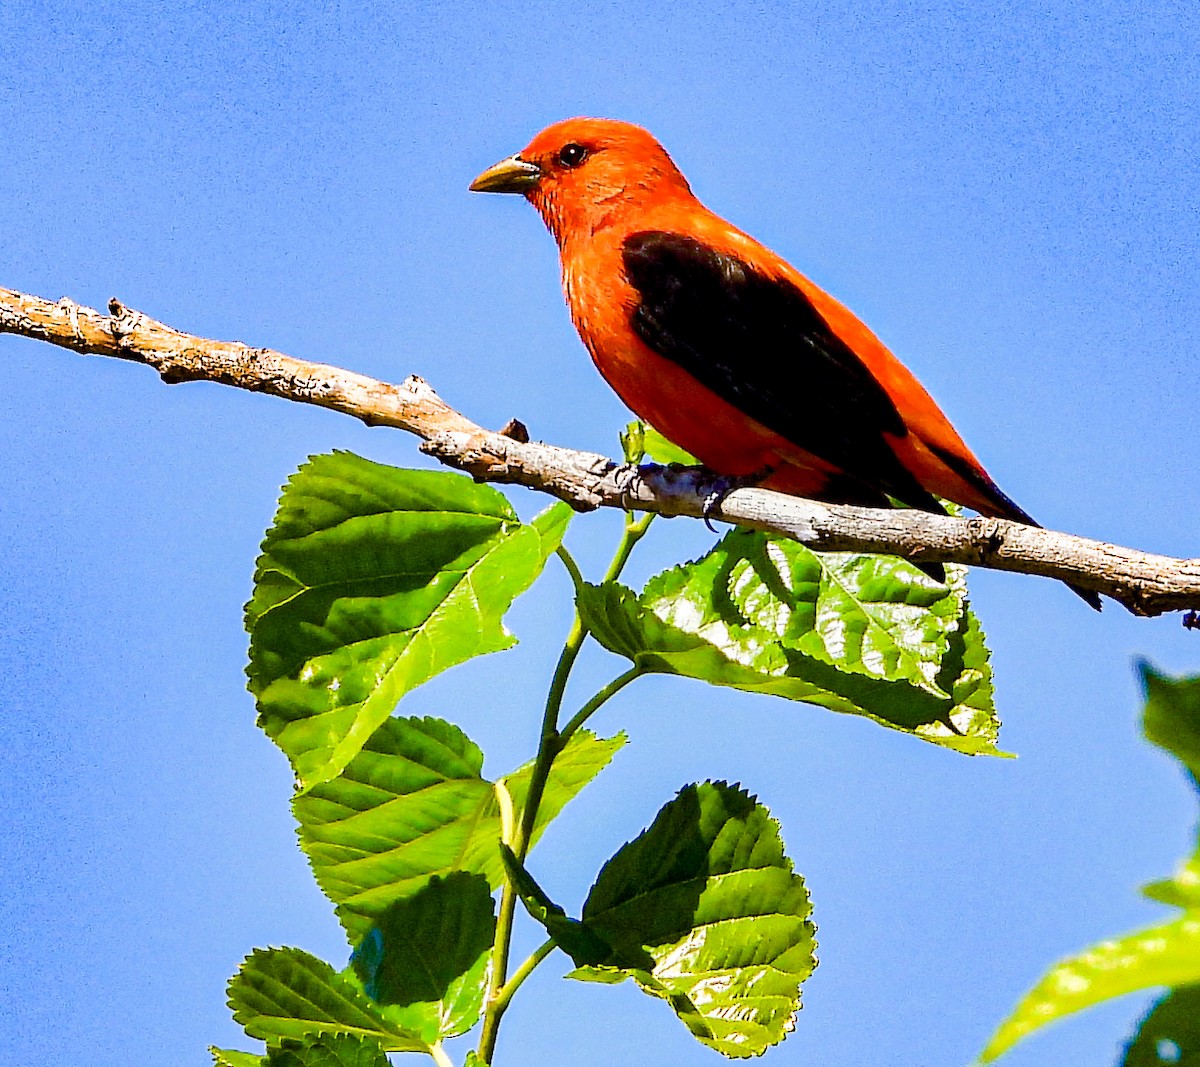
(573, 570)
(439, 1055)
(635, 530)
(549, 746)
(523, 972)
(593, 705)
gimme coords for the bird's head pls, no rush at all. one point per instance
(582, 173)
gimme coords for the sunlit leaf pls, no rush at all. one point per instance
(413, 804)
(1167, 955)
(866, 614)
(428, 956)
(286, 993)
(227, 1057)
(1181, 891)
(972, 725)
(758, 616)
(704, 910)
(1169, 1035)
(372, 580)
(1171, 720)
(335, 1050)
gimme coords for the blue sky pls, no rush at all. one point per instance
(1006, 194)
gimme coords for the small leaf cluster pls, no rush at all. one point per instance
(373, 580)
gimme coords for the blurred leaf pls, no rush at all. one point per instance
(659, 449)
(372, 580)
(703, 909)
(1181, 891)
(286, 993)
(337, 1050)
(1171, 718)
(864, 635)
(1170, 1032)
(428, 956)
(1167, 955)
(413, 804)
(227, 1057)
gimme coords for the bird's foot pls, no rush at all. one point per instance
(724, 484)
(629, 481)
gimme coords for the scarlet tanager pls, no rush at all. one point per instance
(725, 348)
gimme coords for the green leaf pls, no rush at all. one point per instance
(862, 635)
(1181, 891)
(865, 614)
(413, 804)
(633, 442)
(227, 1057)
(705, 911)
(659, 449)
(338, 1050)
(971, 725)
(584, 756)
(1171, 718)
(429, 956)
(286, 993)
(1167, 955)
(1170, 1032)
(371, 581)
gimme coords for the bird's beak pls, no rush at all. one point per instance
(512, 175)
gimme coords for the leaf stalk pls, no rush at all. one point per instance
(550, 744)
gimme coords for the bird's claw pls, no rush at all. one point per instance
(723, 485)
(629, 481)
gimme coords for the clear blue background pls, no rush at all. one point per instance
(1007, 193)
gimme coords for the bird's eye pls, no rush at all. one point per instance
(571, 155)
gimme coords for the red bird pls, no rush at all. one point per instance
(725, 348)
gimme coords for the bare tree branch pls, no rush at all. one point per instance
(1146, 584)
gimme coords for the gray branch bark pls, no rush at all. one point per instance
(1146, 584)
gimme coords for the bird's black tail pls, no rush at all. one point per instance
(1004, 507)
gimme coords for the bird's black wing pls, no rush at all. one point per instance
(760, 344)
